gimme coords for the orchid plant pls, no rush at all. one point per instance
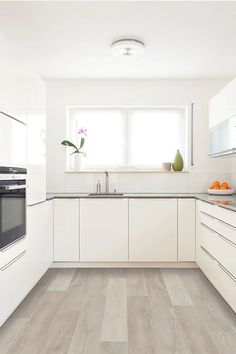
(77, 150)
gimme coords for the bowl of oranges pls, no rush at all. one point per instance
(219, 188)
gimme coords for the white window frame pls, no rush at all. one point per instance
(126, 109)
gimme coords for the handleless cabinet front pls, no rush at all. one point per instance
(103, 230)
(152, 230)
(66, 230)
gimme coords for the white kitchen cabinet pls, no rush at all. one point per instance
(28, 259)
(14, 285)
(13, 142)
(36, 174)
(216, 248)
(40, 239)
(223, 105)
(104, 230)
(186, 229)
(13, 81)
(66, 230)
(218, 276)
(152, 230)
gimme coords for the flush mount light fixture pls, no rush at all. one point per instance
(127, 48)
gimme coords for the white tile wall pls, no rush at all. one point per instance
(62, 94)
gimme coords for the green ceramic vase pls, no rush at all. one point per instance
(178, 163)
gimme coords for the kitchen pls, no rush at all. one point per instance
(112, 241)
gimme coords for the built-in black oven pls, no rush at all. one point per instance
(12, 205)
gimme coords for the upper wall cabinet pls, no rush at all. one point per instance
(36, 113)
(13, 82)
(223, 105)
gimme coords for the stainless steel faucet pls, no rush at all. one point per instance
(107, 182)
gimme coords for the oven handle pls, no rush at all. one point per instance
(13, 187)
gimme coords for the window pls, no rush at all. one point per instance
(129, 138)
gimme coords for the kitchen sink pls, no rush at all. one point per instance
(106, 195)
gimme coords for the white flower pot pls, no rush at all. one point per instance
(77, 161)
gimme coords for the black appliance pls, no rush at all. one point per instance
(12, 205)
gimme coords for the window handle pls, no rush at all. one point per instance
(192, 163)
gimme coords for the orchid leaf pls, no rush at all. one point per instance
(82, 141)
(69, 143)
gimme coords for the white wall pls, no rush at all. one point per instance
(64, 93)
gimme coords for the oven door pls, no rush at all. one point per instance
(12, 212)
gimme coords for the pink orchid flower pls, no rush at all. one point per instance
(83, 131)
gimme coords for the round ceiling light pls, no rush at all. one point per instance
(127, 48)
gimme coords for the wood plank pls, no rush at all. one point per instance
(157, 291)
(168, 334)
(176, 289)
(215, 313)
(9, 332)
(113, 348)
(59, 335)
(86, 284)
(114, 326)
(196, 336)
(31, 337)
(136, 283)
(62, 280)
(140, 326)
(225, 342)
(87, 333)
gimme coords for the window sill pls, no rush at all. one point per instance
(127, 171)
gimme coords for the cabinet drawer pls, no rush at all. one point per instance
(207, 220)
(208, 208)
(11, 252)
(219, 277)
(226, 215)
(228, 231)
(220, 248)
(14, 285)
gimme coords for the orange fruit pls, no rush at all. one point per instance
(223, 187)
(216, 183)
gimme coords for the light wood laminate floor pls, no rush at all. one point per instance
(121, 311)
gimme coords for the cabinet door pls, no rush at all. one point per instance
(66, 230)
(36, 174)
(104, 230)
(14, 286)
(13, 81)
(40, 239)
(223, 105)
(186, 229)
(152, 230)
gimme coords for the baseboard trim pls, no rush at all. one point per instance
(124, 265)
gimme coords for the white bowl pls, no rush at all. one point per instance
(221, 191)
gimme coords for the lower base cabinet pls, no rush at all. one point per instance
(14, 286)
(186, 229)
(66, 230)
(40, 239)
(216, 248)
(152, 230)
(21, 273)
(104, 230)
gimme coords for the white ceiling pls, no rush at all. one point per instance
(70, 39)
